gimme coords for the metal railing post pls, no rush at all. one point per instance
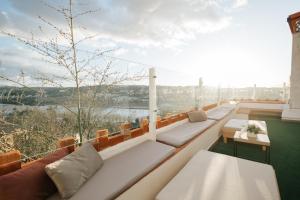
(152, 103)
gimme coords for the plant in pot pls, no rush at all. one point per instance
(252, 131)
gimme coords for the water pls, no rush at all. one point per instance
(123, 112)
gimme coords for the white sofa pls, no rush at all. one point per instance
(121, 171)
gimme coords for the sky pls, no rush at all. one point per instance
(233, 43)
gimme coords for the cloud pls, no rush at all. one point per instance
(3, 18)
(142, 22)
(139, 23)
(240, 3)
(14, 59)
(168, 22)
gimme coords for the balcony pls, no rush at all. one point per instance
(177, 139)
(132, 131)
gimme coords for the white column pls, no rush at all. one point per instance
(200, 97)
(288, 91)
(295, 73)
(254, 92)
(284, 92)
(219, 95)
(152, 103)
(233, 93)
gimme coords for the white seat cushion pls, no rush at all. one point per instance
(219, 113)
(181, 134)
(121, 171)
(212, 176)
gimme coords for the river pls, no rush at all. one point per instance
(124, 112)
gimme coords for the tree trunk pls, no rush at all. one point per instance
(76, 76)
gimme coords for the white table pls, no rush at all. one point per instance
(262, 139)
(234, 125)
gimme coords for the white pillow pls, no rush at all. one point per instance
(72, 171)
(197, 116)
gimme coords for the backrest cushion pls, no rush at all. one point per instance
(10, 162)
(197, 116)
(30, 182)
(9, 167)
(71, 172)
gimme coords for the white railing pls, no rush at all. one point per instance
(193, 95)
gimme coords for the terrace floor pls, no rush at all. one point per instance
(285, 154)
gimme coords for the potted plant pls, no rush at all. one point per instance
(252, 130)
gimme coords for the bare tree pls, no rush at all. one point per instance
(83, 70)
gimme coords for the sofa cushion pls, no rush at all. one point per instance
(211, 175)
(218, 113)
(72, 171)
(235, 125)
(121, 171)
(183, 133)
(9, 167)
(197, 116)
(30, 182)
(10, 162)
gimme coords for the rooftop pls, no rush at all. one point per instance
(93, 125)
(285, 153)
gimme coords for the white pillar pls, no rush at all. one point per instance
(294, 22)
(219, 95)
(284, 92)
(288, 91)
(254, 92)
(152, 103)
(200, 97)
(233, 93)
(295, 73)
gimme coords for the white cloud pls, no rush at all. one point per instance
(3, 18)
(13, 60)
(240, 3)
(142, 22)
(159, 23)
(168, 22)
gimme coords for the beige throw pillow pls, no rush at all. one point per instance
(197, 116)
(72, 171)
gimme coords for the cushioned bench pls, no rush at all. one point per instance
(183, 133)
(213, 176)
(228, 105)
(121, 171)
(219, 112)
(247, 108)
